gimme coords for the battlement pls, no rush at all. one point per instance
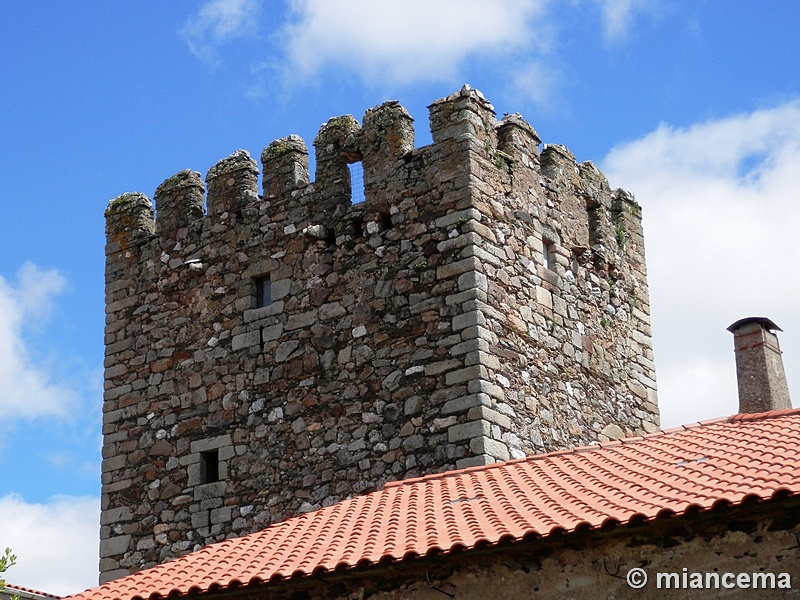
(271, 353)
(464, 130)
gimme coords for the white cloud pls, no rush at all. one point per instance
(406, 41)
(535, 82)
(390, 44)
(618, 14)
(26, 387)
(722, 215)
(217, 22)
(56, 544)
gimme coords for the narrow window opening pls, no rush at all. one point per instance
(356, 182)
(209, 466)
(355, 227)
(549, 252)
(263, 291)
(385, 221)
(330, 238)
(577, 253)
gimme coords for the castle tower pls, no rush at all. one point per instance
(279, 352)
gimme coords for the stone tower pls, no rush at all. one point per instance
(274, 353)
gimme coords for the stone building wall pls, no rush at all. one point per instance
(486, 301)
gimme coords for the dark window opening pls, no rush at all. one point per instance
(330, 237)
(209, 466)
(263, 291)
(385, 221)
(549, 251)
(577, 254)
(355, 227)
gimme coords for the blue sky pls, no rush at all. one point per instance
(693, 105)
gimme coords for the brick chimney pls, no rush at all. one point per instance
(759, 366)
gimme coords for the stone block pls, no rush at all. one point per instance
(246, 340)
(211, 443)
(467, 431)
(200, 519)
(544, 298)
(113, 516)
(457, 268)
(255, 314)
(484, 445)
(220, 515)
(464, 403)
(114, 546)
(466, 374)
(473, 318)
(483, 412)
(441, 366)
(472, 280)
(271, 333)
(475, 461)
(473, 345)
(301, 320)
(285, 350)
(458, 216)
(485, 256)
(465, 296)
(280, 289)
(613, 431)
(331, 310)
(208, 491)
(482, 386)
(460, 241)
(490, 361)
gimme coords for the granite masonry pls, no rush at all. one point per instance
(270, 354)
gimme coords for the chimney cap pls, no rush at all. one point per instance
(766, 323)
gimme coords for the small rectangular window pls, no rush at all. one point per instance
(209, 462)
(263, 291)
(548, 250)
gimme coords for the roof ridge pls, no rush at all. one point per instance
(772, 414)
(19, 588)
(739, 417)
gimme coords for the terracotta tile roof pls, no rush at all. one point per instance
(23, 592)
(647, 477)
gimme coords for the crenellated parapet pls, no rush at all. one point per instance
(337, 145)
(232, 183)
(274, 353)
(130, 221)
(465, 115)
(285, 166)
(386, 137)
(179, 202)
(518, 141)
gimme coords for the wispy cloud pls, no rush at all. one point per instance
(218, 22)
(618, 14)
(56, 543)
(721, 217)
(27, 388)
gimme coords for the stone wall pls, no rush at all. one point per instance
(486, 301)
